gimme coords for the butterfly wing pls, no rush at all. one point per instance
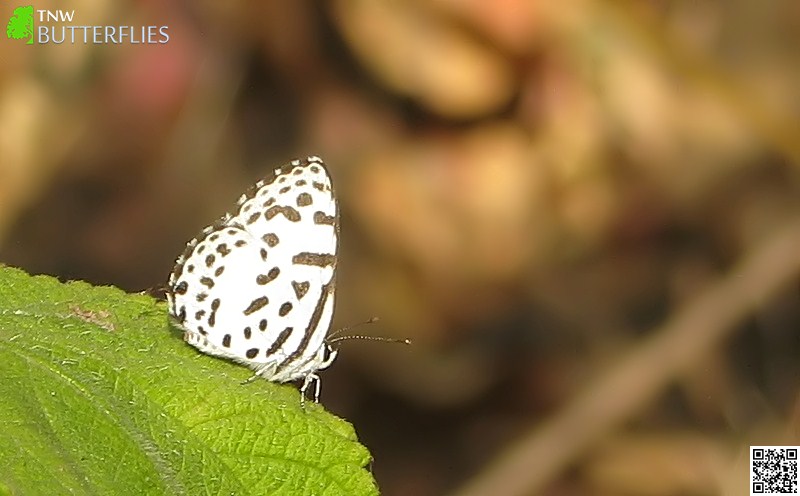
(271, 303)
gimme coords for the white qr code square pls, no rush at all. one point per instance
(773, 470)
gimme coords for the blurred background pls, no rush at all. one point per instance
(585, 214)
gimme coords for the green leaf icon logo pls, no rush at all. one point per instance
(20, 25)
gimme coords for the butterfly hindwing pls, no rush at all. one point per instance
(257, 286)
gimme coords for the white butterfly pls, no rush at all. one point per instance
(257, 286)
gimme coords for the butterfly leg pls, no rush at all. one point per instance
(268, 371)
(250, 379)
(331, 356)
(306, 383)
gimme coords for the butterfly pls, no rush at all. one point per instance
(257, 286)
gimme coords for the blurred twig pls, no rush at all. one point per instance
(621, 392)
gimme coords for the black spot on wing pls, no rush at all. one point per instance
(256, 305)
(300, 288)
(323, 219)
(304, 200)
(289, 212)
(270, 276)
(282, 337)
(315, 259)
(271, 239)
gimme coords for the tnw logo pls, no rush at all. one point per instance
(20, 25)
(42, 26)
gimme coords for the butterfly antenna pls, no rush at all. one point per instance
(369, 338)
(335, 336)
(335, 333)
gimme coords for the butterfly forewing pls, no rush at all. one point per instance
(257, 286)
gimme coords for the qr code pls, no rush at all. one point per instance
(773, 470)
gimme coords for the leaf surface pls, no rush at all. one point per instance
(99, 395)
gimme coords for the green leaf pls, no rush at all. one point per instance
(99, 395)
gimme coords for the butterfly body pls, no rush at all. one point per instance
(257, 286)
